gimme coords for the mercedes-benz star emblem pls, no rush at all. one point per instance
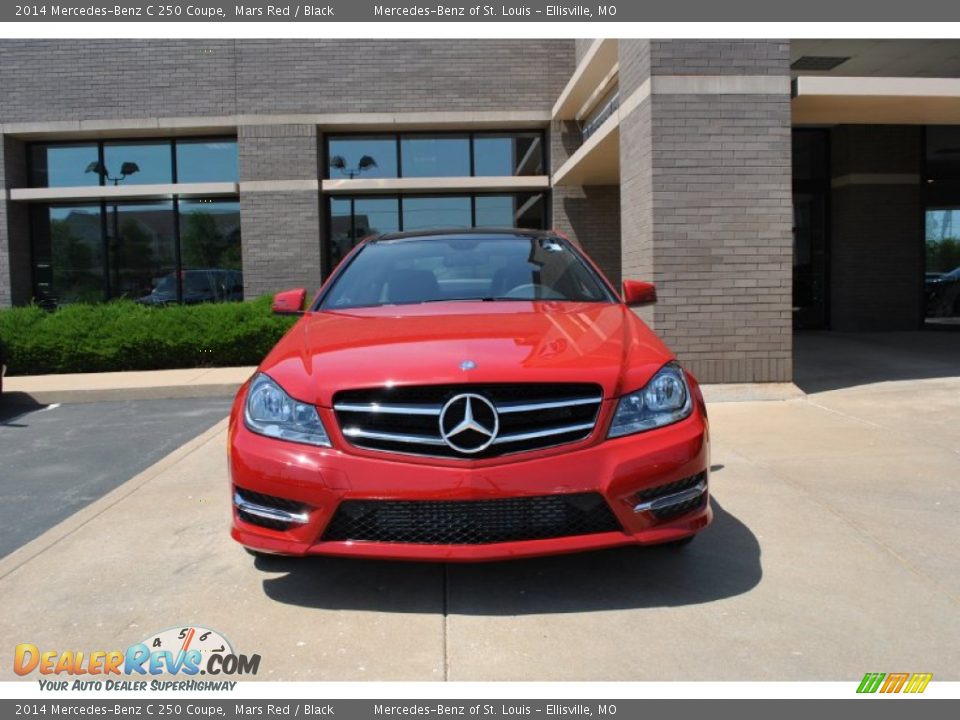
(469, 423)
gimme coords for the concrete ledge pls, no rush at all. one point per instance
(751, 392)
(139, 385)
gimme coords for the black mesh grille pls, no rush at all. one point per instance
(269, 501)
(670, 489)
(579, 416)
(473, 522)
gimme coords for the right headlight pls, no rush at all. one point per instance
(664, 400)
(270, 411)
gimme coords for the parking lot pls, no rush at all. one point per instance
(835, 551)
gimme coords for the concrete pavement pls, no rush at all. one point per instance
(59, 458)
(835, 551)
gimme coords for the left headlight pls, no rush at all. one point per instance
(270, 411)
(664, 400)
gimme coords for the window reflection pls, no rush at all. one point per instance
(362, 157)
(523, 211)
(508, 154)
(209, 252)
(201, 161)
(141, 163)
(436, 212)
(63, 165)
(67, 254)
(140, 247)
(133, 162)
(942, 236)
(353, 219)
(442, 156)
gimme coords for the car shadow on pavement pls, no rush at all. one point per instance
(723, 562)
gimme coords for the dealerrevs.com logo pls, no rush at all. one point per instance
(188, 651)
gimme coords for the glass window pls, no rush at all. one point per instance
(522, 211)
(209, 251)
(508, 154)
(140, 163)
(351, 220)
(141, 248)
(452, 211)
(201, 161)
(341, 229)
(441, 156)
(67, 254)
(355, 158)
(63, 165)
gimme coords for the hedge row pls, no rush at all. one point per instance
(126, 336)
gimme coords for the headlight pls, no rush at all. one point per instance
(270, 411)
(665, 399)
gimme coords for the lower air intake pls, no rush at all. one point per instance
(473, 522)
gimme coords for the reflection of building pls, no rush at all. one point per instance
(668, 160)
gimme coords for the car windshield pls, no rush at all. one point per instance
(448, 268)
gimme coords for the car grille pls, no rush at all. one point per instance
(471, 522)
(407, 419)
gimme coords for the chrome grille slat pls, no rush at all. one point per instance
(354, 432)
(519, 407)
(406, 419)
(520, 437)
(389, 408)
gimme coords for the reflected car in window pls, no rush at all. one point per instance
(201, 285)
(943, 294)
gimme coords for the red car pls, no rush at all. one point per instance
(467, 395)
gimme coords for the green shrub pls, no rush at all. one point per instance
(126, 336)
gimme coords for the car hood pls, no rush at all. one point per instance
(524, 342)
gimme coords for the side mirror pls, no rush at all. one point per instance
(636, 293)
(289, 302)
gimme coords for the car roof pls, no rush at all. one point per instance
(474, 233)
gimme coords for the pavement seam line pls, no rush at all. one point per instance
(63, 530)
(817, 500)
(872, 423)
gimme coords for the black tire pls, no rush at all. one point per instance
(681, 543)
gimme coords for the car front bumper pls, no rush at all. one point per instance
(317, 480)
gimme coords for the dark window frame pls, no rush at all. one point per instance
(398, 135)
(100, 142)
(102, 204)
(326, 249)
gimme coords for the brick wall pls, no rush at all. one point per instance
(707, 208)
(281, 229)
(876, 243)
(590, 216)
(49, 80)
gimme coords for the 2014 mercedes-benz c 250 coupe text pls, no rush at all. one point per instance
(467, 395)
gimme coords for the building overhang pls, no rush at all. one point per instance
(590, 77)
(819, 100)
